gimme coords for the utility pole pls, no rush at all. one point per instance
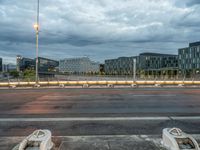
(36, 26)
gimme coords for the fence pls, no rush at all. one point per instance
(91, 83)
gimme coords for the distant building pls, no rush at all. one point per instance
(158, 65)
(23, 63)
(147, 65)
(9, 67)
(5, 68)
(102, 68)
(94, 67)
(189, 60)
(78, 65)
(120, 66)
(1, 64)
(47, 67)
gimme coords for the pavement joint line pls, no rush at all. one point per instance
(98, 119)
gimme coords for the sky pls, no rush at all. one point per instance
(99, 29)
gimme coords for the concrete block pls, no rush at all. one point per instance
(39, 139)
(176, 139)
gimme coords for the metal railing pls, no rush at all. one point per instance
(96, 80)
(90, 83)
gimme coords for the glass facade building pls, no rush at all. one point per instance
(46, 67)
(23, 63)
(120, 66)
(78, 65)
(158, 65)
(1, 64)
(147, 65)
(189, 60)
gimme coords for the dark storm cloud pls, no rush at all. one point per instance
(101, 29)
(193, 2)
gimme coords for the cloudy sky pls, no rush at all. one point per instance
(100, 29)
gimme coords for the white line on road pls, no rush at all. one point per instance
(97, 119)
(186, 118)
(83, 119)
(133, 95)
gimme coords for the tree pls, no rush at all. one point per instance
(29, 74)
(14, 73)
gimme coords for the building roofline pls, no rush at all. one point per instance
(194, 44)
(46, 58)
(156, 54)
(183, 48)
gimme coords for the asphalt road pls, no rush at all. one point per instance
(99, 111)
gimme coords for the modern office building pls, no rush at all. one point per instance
(8, 67)
(121, 66)
(102, 69)
(158, 65)
(78, 65)
(189, 60)
(23, 63)
(1, 64)
(147, 65)
(5, 68)
(94, 67)
(46, 67)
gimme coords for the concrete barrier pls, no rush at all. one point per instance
(85, 86)
(61, 85)
(134, 85)
(176, 139)
(157, 85)
(81, 83)
(39, 139)
(110, 86)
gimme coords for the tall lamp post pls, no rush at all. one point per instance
(36, 26)
(134, 69)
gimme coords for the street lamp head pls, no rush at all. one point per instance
(36, 27)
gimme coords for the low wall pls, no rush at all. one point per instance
(68, 83)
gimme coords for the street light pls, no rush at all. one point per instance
(134, 69)
(36, 27)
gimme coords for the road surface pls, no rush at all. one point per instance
(104, 118)
(99, 111)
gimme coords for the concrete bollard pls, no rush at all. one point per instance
(110, 85)
(36, 85)
(12, 86)
(176, 139)
(39, 139)
(180, 85)
(157, 85)
(85, 86)
(61, 85)
(134, 85)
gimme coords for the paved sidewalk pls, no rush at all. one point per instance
(131, 142)
(112, 142)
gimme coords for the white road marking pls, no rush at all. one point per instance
(186, 118)
(97, 119)
(134, 95)
(154, 95)
(83, 119)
